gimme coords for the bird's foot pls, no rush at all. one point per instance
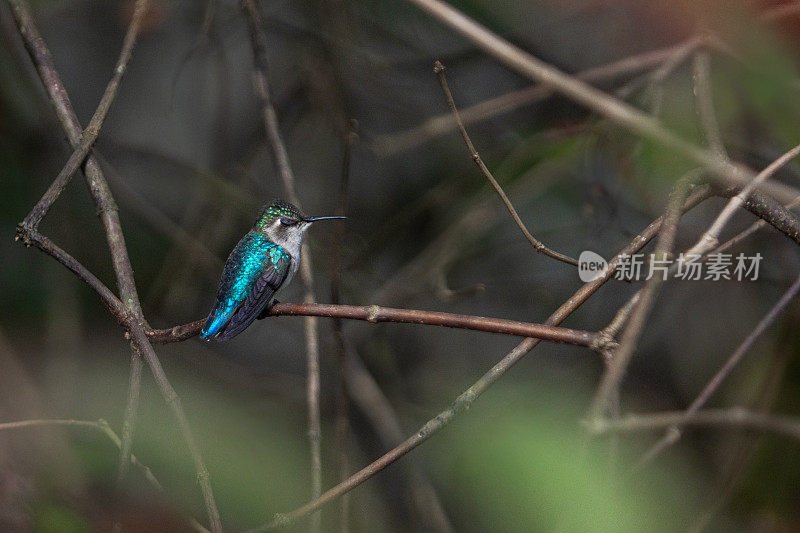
(267, 309)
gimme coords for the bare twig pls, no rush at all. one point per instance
(538, 245)
(466, 398)
(82, 143)
(760, 205)
(102, 426)
(261, 79)
(673, 434)
(612, 377)
(594, 99)
(735, 418)
(107, 210)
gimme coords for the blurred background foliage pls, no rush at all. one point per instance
(186, 157)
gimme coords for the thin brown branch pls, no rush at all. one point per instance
(466, 398)
(631, 118)
(107, 211)
(735, 418)
(375, 314)
(261, 80)
(612, 377)
(89, 135)
(439, 68)
(673, 434)
(102, 426)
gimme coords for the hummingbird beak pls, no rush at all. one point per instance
(314, 219)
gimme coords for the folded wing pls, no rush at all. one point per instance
(253, 273)
(259, 298)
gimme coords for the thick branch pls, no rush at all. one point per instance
(772, 213)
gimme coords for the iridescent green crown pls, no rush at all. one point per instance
(277, 209)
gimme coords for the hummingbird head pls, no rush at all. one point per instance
(285, 225)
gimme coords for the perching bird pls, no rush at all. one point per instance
(263, 261)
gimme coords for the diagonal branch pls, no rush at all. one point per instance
(466, 398)
(34, 238)
(109, 216)
(673, 434)
(770, 212)
(710, 238)
(439, 68)
(612, 377)
(367, 395)
(441, 124)
(631, 118)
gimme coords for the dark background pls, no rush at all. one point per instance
(185, 142)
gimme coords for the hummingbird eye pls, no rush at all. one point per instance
(288, 221)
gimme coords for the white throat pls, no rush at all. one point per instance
(290, 239)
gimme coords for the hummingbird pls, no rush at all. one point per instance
(264, 260)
